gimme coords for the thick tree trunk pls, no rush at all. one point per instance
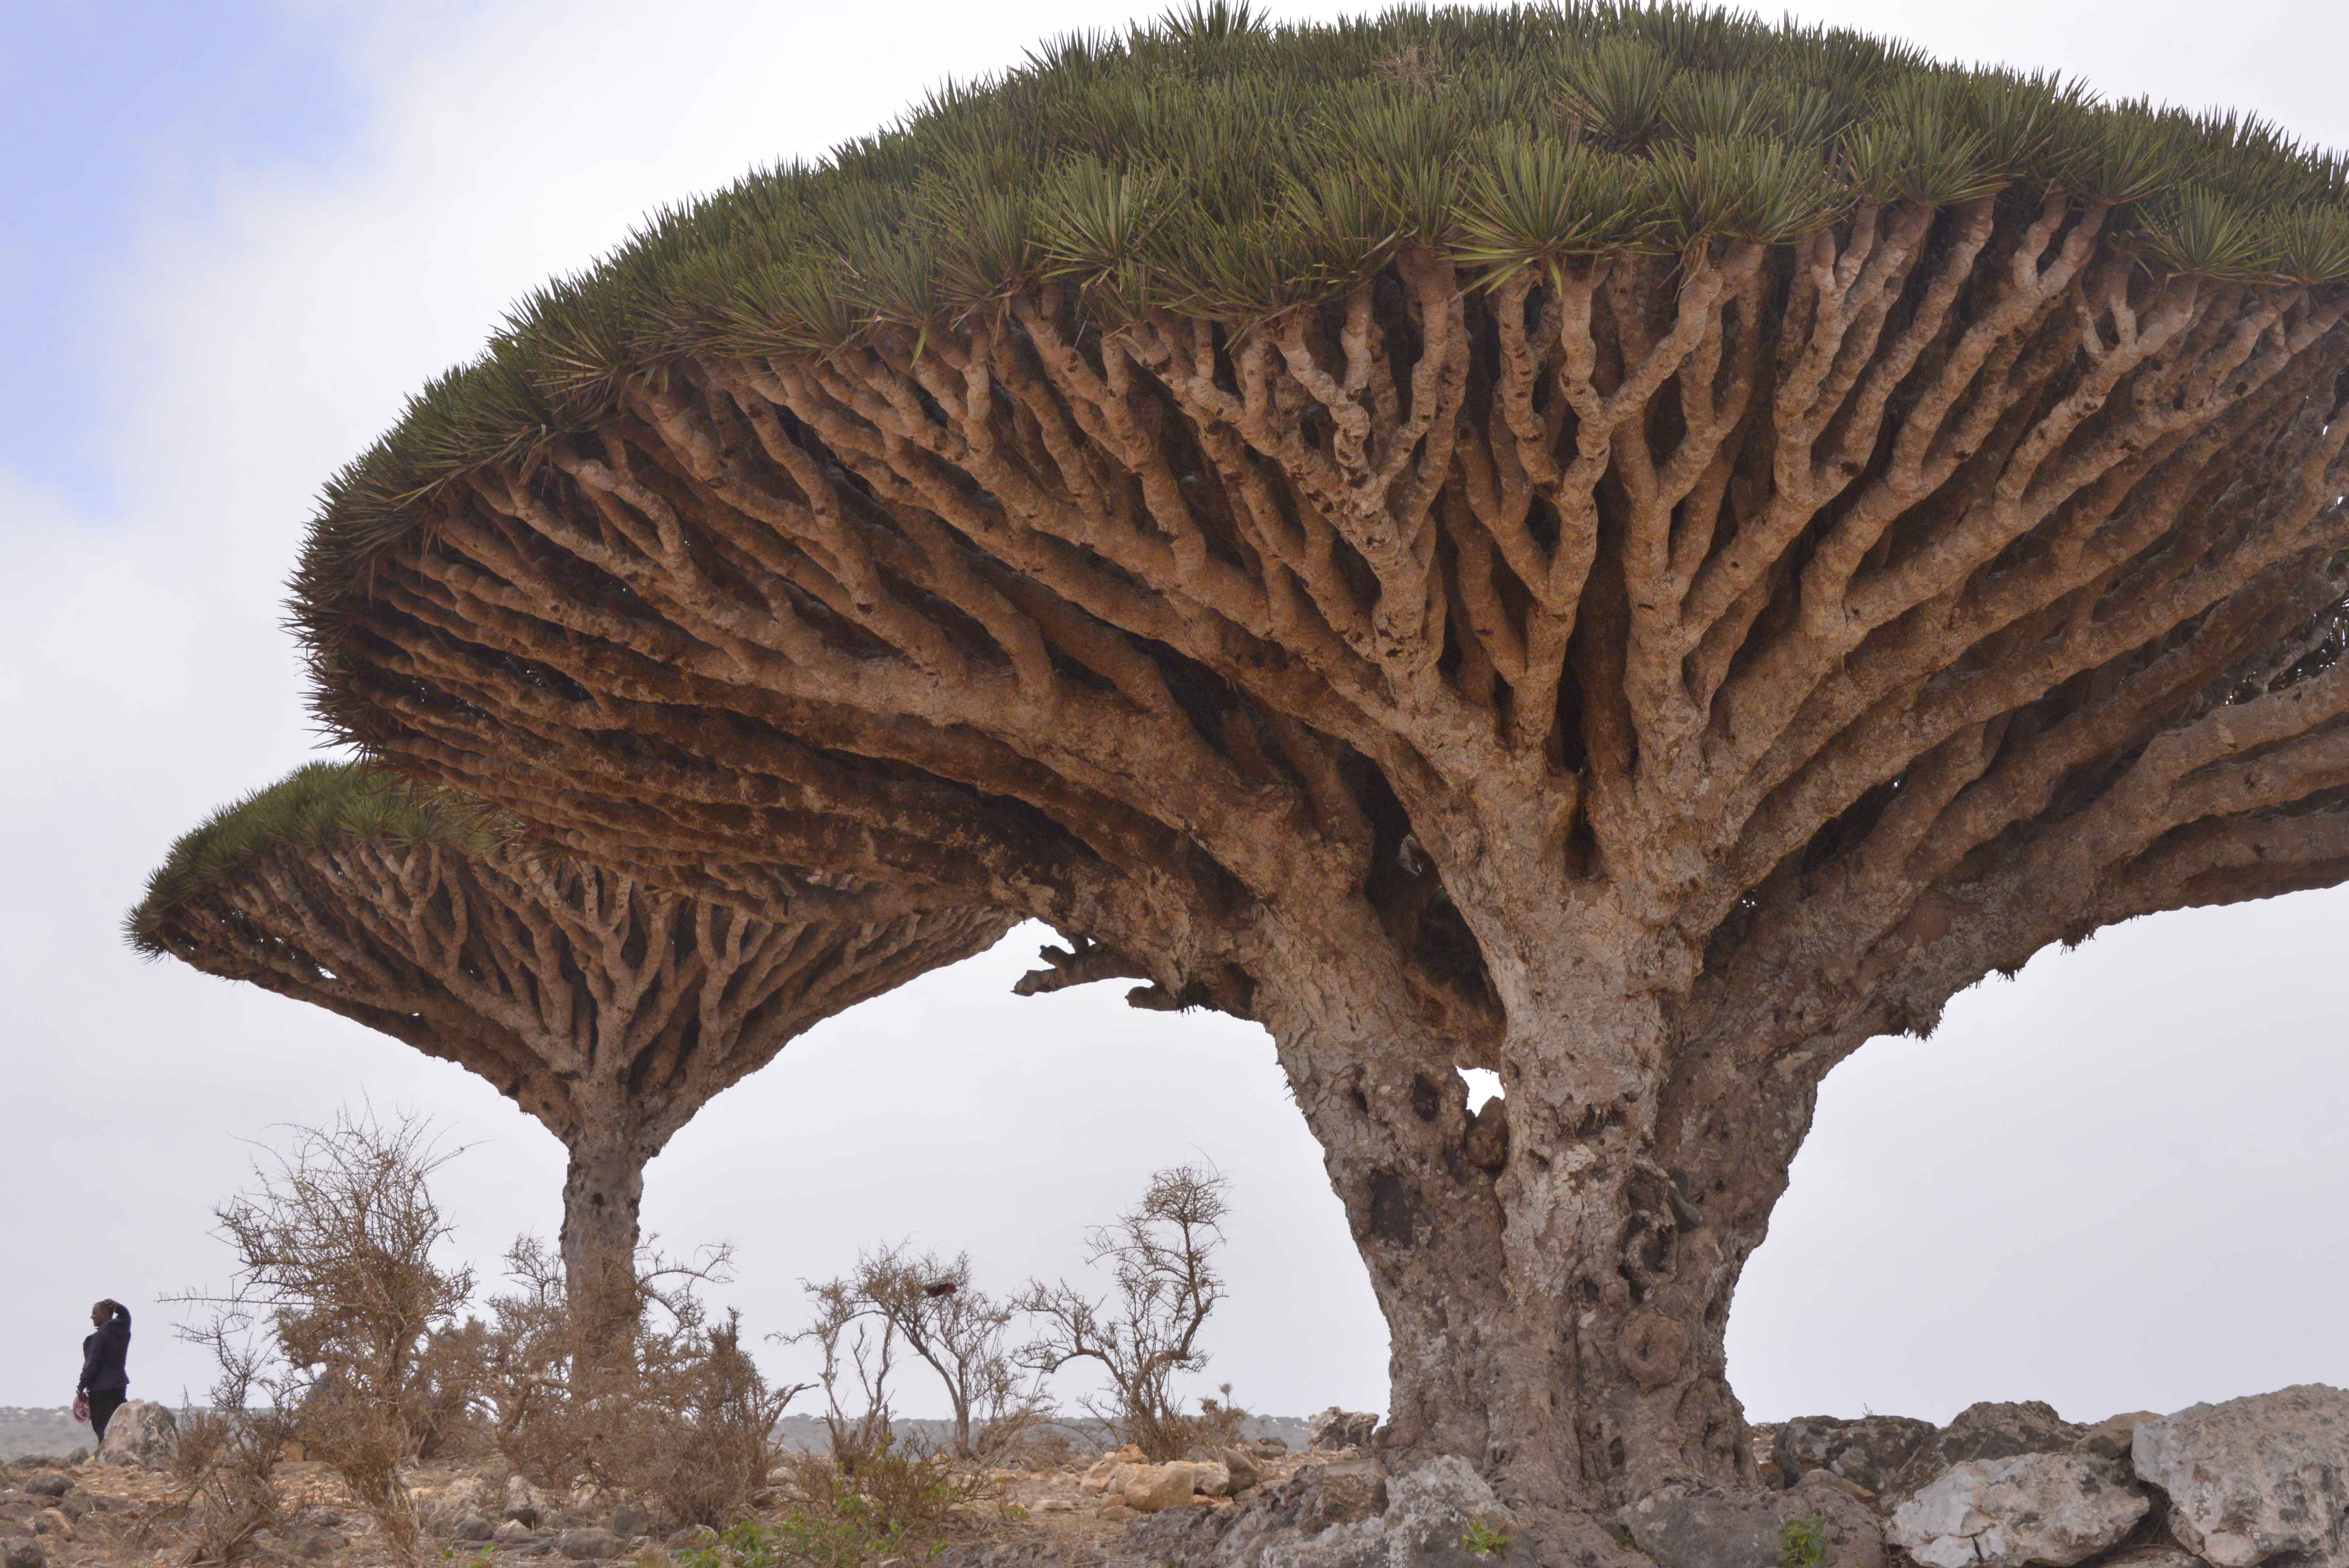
(1555, 1273)
(602, 1194)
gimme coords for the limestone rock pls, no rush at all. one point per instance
(588, 1544)
(1269, 1447)
(2255, 1476)
(2153, 1557)
(1335, 1428)
(1103, 1476)
(1242, 1469)
(1154, 1487)
(473, 1527)
(2109, 1438)
(511, 1529)
(47, 1483)
(651, 1557)
(522, 1502)
(693, 1536)
(23, 1553)
(1989, 1430)
(1683, 1528)
(1868, 1451)
(141, 1433)
(2051, 1509)
(632, 1518)
(1318, 1499)
(1210, 1478)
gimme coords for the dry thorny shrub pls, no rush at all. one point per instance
(225, 1465)
(337, 1318)
(926, 1303)
(1161, 1253)
(679, 1419)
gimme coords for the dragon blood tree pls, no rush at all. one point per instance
(609, 1009)
(1636, 549)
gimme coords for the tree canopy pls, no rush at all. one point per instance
(609, 1010)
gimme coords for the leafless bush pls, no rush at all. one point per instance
(224, 1464)
(1161, 1253)
(680, 1423)
(336, 1270)
(930, 1305)
(859, 1351)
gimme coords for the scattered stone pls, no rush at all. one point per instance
(141, 1433)
(2153, 1557)
(1429, 1514)
(2256, 1477)
(521, 1503)
(1682, 1528)
(1269, 1447)
(46, 1483)
(23, 1553)
(52, 1522)
(1242, 1469)
(1211, 1478)
(2052, 1508)
(1335, 1428)
(1154, 1487)
(473, 1527)
(632, 1518)
(1868, 1451)
(1104, 1475)
(1117, 1513)
(587, 1545)
(1990, 1430)
(2109, 1438)
(651, 1557)
(693, 1536)
(318, 1543)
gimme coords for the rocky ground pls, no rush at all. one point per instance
(2262, 1480)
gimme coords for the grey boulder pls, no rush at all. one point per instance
(141, 1433)
(2051, 1508)
(1432, 1515)
(1989, 1430)
(1681, 1528)
(1867, 1451)
(2111, 1438)
(1335, 1428)
(585, 1545)
(2254, 1478)
(23, 1553)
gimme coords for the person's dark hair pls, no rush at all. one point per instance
(112, 1308)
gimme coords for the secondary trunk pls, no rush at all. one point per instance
(602, 1194)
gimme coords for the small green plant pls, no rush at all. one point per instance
(1802, 1542)
(1485, 1539)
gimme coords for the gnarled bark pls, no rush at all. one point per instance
(1650, 679)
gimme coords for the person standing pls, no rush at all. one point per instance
(105, 1379)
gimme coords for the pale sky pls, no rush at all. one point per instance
(239, 232)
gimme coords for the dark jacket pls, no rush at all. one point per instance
(102, 1357)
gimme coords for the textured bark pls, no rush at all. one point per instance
(1650, 680)
(603, 1194)
(610, 1010)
